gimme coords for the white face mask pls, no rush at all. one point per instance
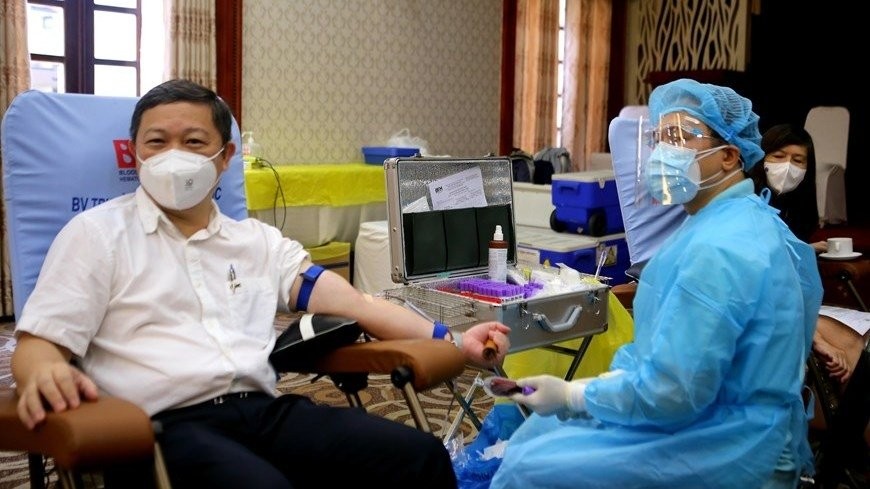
(783, 177)
(178, 179)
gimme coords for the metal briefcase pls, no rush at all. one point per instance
(441, 216)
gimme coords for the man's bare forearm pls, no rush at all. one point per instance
(32, 352)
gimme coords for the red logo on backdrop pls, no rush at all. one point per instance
(124, 154)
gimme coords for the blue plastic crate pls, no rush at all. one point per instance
(375, 155)
(617, 261)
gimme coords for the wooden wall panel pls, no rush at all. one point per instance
(228, 21)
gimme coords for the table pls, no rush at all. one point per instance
(321, 202)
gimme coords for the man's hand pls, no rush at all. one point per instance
(835, 361)
(57, 384)
(486, 344)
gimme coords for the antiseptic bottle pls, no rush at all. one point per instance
(498, 252)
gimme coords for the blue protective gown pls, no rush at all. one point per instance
(711, 396)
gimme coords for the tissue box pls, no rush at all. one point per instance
(375, 155)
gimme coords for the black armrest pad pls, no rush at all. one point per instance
(293, 353)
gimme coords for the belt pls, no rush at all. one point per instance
(234, 395)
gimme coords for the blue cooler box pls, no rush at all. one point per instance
(540, 245)
(586, 202)
(375, 155)
(617, 261)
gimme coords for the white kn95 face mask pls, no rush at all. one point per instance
(178, 179)
(783, 177)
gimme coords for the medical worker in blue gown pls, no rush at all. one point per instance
(709, 392)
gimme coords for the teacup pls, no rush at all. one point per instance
(840, 246)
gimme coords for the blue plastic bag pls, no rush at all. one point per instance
(472, 471)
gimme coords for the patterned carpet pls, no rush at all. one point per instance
(380, 398)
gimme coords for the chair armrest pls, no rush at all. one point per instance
(624, 293)
(431, 361)
(835, 278)
(858, 269)
(94, 435)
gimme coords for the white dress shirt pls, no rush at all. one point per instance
(159, 319)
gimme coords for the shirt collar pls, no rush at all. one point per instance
(150, 215)
(739, 189)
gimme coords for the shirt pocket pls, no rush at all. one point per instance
(252, 307)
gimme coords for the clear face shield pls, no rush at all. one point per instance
(668, 173)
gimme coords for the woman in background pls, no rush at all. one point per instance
(789, 172)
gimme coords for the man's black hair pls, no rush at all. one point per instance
(179, 90)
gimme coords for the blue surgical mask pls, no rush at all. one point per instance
(673, 175)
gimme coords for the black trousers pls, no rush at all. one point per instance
(254, 440)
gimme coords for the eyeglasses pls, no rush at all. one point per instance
(674, 134)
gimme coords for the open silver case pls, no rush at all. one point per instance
(441, 214)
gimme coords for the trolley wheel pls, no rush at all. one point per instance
(597, 224)
(555, 225)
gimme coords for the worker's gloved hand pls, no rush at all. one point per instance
(550, 394)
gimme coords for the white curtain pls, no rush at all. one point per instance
(587, 63)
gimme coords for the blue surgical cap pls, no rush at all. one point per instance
(720, 108)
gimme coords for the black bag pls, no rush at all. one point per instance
(310, 337)
(522, 165)
(543, 174)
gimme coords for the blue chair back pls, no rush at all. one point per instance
(65, 153)
(646, 224)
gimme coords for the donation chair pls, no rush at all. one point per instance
(646, 224)
(64, 153)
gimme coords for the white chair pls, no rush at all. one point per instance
(829, 127)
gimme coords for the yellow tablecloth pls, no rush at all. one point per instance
(326, 184)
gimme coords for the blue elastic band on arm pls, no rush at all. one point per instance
(308, 278)
(440, 331)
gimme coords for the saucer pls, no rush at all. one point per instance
(854, 254)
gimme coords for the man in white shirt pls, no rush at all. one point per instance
(166, 302)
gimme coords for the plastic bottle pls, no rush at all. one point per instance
(250, 150)
(498, 252)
